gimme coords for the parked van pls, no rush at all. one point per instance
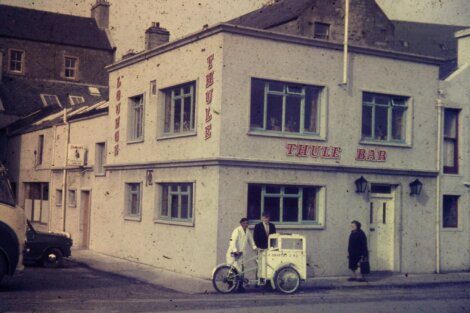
(12, 229)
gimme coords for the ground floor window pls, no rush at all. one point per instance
(176, 202)
(36, 202)
(450, 210)
(286, 204)
(133, 200)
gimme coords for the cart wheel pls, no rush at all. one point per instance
(225, 279)
(52, 258)
(287, 280)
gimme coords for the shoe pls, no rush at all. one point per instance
(362, 280)
(241, 289)
(352, 279)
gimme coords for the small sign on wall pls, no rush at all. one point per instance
(76, 155)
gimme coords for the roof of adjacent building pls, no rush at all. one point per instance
(29, 24)
(21, 96)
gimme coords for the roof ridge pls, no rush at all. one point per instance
(47, 12)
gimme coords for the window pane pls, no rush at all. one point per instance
(309, 205)
(274, 113)
(291, 190)
(293, 114)
(167, 121)
(449, 152)
(272, 206)
(273, 189)
(187, 125)
(366, 121)
(257, 100)
(381, 99)
(164, 211)
(134, 204)
(276, 86)
(45, 191)
(311, 109)
(174, 206)
(184, 206)
(381, 114)
(177, 121)
(450, 124)
(290, 211)
(398, 115)
(254, 202)
(450, 212)
(187, 89)
(367, 97)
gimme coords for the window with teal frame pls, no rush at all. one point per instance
(285, 204)
(176, 202)
(284, 108)
(384, 117)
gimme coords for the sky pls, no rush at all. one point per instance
(130, 18)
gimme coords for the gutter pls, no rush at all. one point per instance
(438, 186)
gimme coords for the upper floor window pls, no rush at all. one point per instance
(451, 141)
(176, 202)
(136, 118)
(76, 100)
(285, 204)
(179, 109)
(100, 158)
(48, 100)
(284, 107)
(40, 150)
(72, 198)
(321, 30)
(16, 61)
(383, 117)
(450, 210)
(70, 67)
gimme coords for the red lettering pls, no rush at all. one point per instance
(290, 148)
(118, 95)
(361, 154)
(302, 150)
(207, 132)
(315, 151)
(117, 122)
(210, 59)
(382, 156)
(209, 79)
(209, 96)
(116, 136)
(336, 153)
(116, 150)
(325, 152)
(370, 155)
(208, 115)
(118, 82)
(118, 108)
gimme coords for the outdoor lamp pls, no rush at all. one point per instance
(361, 184)
(415, 187)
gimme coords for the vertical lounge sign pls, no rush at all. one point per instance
(117, 120)
(209, 94)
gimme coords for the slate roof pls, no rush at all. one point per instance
(21, 96)
(272, 15)
(52, 27)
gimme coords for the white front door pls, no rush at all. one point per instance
(381, 232)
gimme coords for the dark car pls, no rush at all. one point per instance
(47, 249)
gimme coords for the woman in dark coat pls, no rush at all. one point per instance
(357, 249)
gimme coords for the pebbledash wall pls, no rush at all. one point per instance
(222, 156)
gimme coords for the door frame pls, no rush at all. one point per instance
(82, 191)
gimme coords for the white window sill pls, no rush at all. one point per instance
(452, 230)
(72, 205)
(452, 175)
(133, 218)
(129, 142)
(177, 223)
(100, 174)
(385, 143)
(286, 135)
(187, 134)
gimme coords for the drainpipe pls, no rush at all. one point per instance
(345, 48)
(51, 183)
(438, 187)
(64, 177)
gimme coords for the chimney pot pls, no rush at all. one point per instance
(100, 12)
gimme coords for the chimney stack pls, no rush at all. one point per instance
(100, 12)
(156, 36)
(463, 47)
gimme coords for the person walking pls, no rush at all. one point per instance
(357, 249)
(261, 237)
(236, 252)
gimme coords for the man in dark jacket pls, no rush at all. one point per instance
(262, 231)
(357, 249)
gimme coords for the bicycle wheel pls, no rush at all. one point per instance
(225, 279)
(287, 280)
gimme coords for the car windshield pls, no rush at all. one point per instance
(6, 196)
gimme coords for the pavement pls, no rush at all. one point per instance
(194, 285)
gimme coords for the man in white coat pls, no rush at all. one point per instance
(241, 237)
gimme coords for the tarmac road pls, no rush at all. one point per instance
(75, 288)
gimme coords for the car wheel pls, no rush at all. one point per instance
(3, 267)
(52, 258)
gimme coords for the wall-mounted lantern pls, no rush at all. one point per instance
(415, 187)
(361, 184)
